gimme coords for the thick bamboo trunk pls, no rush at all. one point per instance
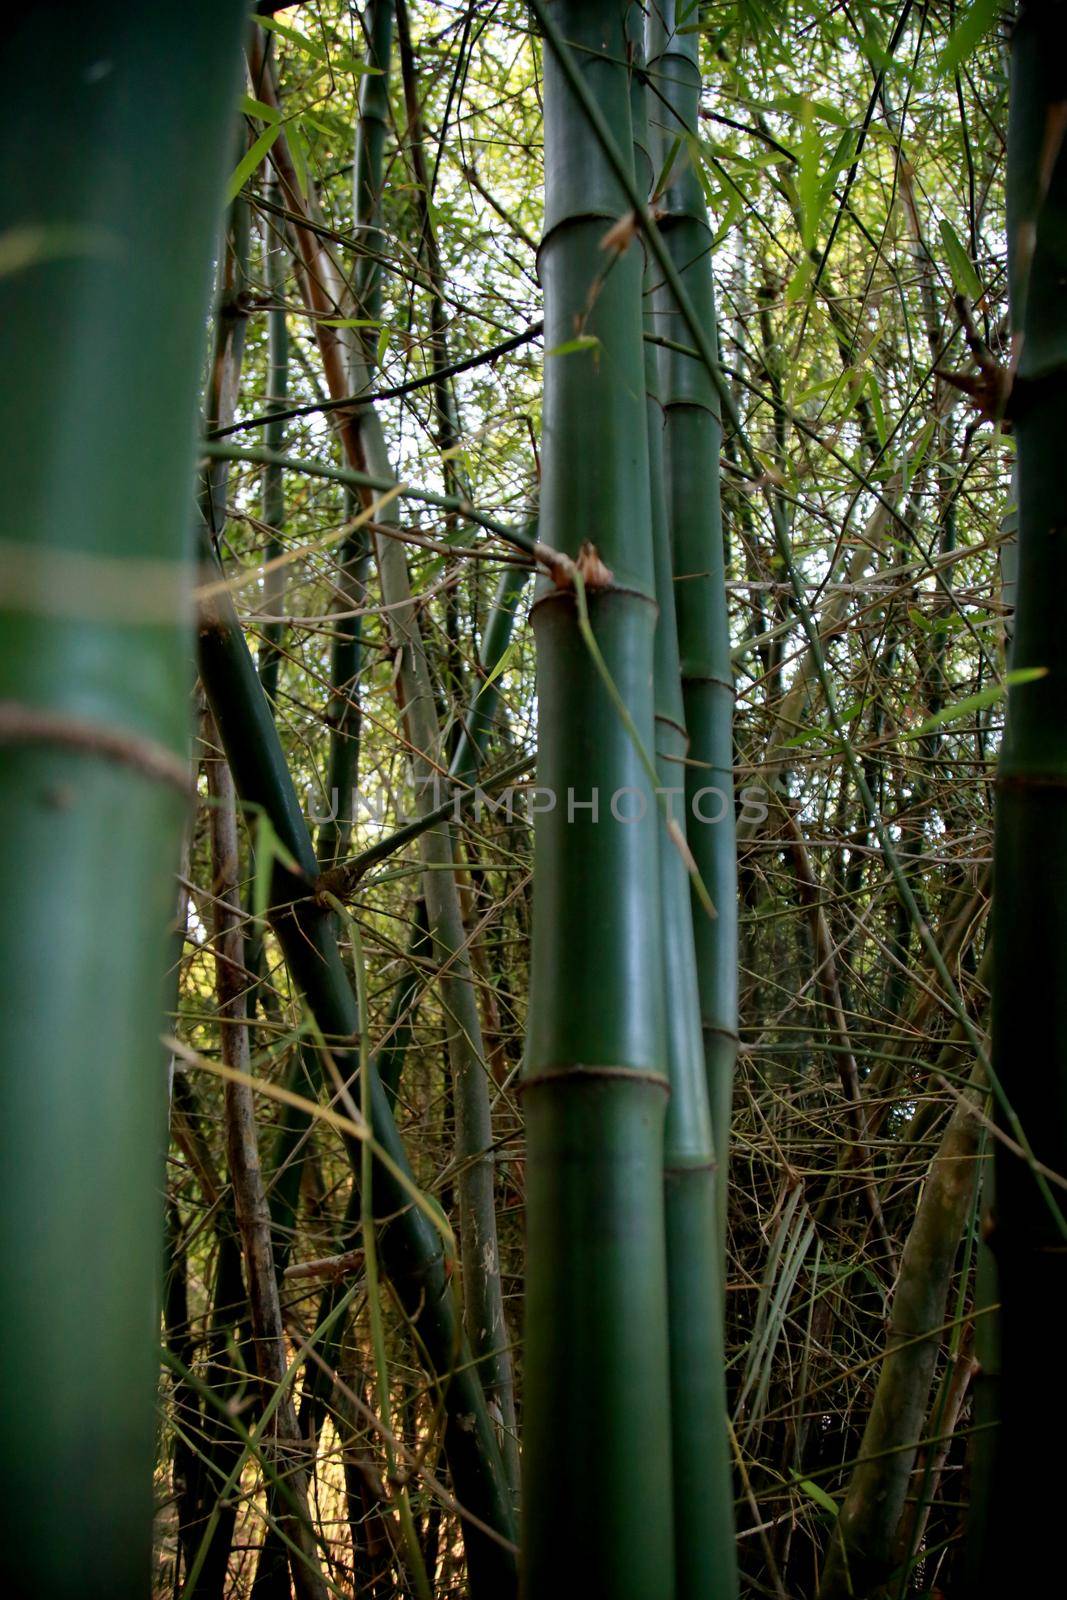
(596, 1373)
(1029, 1237)
(111, 187)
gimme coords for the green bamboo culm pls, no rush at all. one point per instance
(692, 442)
(372, 130)
(596, 1468)
(114, 154)
(1023, 1537)
(269, 658)
(346, 655)
(496, 641)
(704, 1535)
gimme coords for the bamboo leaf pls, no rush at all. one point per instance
(825, 731)
(965, 39)
(978, 702)
(820, 1496)
(793, 105)
(728, 213)
(808, 176)
(960, 264)
(874, 394)
(269, 851)
(258, 108)
(917, 454)
(250, 161)
(798, 283)
(668, 165)
(842, 156)
(293, 36)
(505, 658)
(335, 63)
(357, 69)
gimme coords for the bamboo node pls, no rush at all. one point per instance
(25, 724)
(621, 234)
(594, 573)
(585, 1074)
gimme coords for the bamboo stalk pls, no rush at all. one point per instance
(390, 1058)
(269, 657)
(864, 1541)
(692, 443)
(346, 654)
(946, 1416)
(112, 196)
(595, 1081)
(205, 1448)
(1030, 849)
(704, 1539)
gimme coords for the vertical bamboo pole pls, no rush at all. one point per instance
(692, 445)
(273, 482)
(597, 1468)
(496, 638)
(112, 160)
(704, 1537)
(1024, 1544)
(346, 656)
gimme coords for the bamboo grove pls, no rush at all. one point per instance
(532, 772)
